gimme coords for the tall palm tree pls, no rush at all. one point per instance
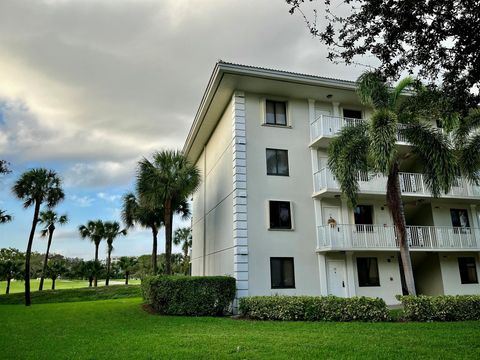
(36, 187)
(48, 219)
(4, 217)
(94, 230)
(169, 179)
(371, 147)
(127, 264)
(183, 236)
(111, 231)
(133, 213)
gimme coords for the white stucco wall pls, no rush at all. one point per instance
(389, 273)
(212, 213)
(451, 274)
(297, 188)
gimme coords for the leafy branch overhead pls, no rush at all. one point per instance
(439, 39)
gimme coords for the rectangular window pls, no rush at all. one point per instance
(276, 113)
(281, 273)
(468, 270)
(352, 114)
(277, 162)
(459, 218)
(367, 268)
(280, 215)
(363, 215)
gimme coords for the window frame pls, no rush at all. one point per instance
(276, 161)
(360, 279)
(290, 207)
(462, 261)
(275, 123)
(282, 286)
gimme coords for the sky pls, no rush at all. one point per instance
(88, 88)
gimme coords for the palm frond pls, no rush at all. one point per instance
(382, 133)
(467, 125)
(435, 153)
(348, 155)
(372, 90)
(469, 159)
(402, 85)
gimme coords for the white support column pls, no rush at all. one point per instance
(322, 270)
(475, 223)
(240, 224)
(350, 274)
(336, 108)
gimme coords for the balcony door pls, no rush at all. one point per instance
(334, 230)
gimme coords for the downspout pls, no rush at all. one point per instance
(204, 208)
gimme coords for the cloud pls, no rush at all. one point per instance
(100, 174)
(109, 198)
(81, 201)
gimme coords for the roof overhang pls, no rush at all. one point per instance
(227, 78)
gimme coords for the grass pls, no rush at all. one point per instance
(120, 329)
(19, 286)
(74, 295)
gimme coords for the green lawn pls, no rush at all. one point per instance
(19, 286)
(120, 329)
(74, 295)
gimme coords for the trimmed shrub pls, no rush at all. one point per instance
(189, 295)
(314, 308)
(441, 308)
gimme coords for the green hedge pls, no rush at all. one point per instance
(189, 295)
(314, 308)
(441, 308)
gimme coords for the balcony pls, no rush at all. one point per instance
(326, 127)
(411, 184)
(384, 237)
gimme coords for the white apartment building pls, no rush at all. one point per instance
(270, 213)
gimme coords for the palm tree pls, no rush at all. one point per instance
(4, 217)
(168, 180)
(127, 264)
(183, 236)
(133, 213)
(35, 187)
(56, 268)
(49, 218)
(96, 232)
(371, 146)
(111, 231)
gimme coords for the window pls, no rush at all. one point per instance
(276, 113)
(352, 114)
(280, 215)
(363, 215)
(277, 162)
(459, 218)
(282, 273)
(367, 268)
(468, 270)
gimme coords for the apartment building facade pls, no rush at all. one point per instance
(270, 213)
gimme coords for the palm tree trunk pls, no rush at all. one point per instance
(154, 250)
(95, 279)
(168, 236)
(395, 203)
(53, 283)
(126, 277)
(108, 264)
(8, 286)
(28, 254)
(45, 261)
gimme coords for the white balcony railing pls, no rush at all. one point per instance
(410, 184)
(328, 126)
(352, 237)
